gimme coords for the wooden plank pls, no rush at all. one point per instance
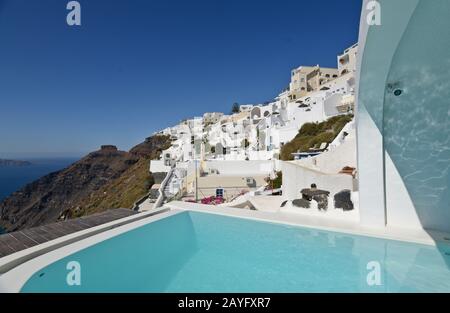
(24, 239)
(127, 211)
(90, 221)
(124, 214)
(84, 223)
(45, 232)
(17, 241)
(54, 229)
(99, 220)
(35, 235)
(4, 248)
(80, 224)
(12, 242)
(73, 226)
(69, 228)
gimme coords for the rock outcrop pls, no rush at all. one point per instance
(301, 203)
(152, 147)
(342, 200)
(320, 196)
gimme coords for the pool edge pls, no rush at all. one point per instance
(22, 265)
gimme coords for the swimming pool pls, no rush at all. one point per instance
(199, 252)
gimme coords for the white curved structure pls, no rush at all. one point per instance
(404, 116)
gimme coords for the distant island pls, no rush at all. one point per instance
(4, 162)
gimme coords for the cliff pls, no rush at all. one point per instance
(104, 179)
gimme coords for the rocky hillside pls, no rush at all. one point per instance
(122, 192)
(104, 179)
(152, 147)
(312, 135)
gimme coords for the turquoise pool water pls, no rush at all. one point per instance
(197, 252)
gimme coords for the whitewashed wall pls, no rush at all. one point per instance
(296, 177)
(330, 105)
(377, 46)
(242, 168)
(157, 166)
(259, 155)
(333, 161)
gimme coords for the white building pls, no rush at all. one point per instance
(347, 60)
(211, 118)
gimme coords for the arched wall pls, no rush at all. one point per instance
(377, 46)
(403, 139)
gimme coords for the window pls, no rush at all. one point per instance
(219, 193)
(327, 75)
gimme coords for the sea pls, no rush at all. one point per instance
(12, 178)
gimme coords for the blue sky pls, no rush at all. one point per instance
(137, 66)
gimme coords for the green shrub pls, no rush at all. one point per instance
(312, 135)
(316, 141)
(309, 129)
(277, 182)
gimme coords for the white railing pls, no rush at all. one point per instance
(160, 200)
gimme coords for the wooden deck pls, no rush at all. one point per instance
(21, 240)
